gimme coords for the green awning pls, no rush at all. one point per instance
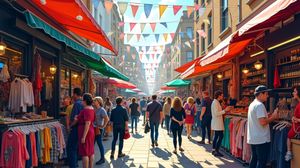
(35, 22)
(178, 83)
(130, 91)
(102, 67)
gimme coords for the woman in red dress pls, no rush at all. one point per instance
(190, 112)
(86, 133)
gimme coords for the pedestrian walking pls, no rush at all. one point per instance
(190, 112)
(100, 123)
(258, 130)
(217, 124)
(72, 146)
(155, 116)
(166, 111)
(198, 108)
(86, 134)
(177, 115)
(134, 113)
(119, 120)
(108, 105)
(206, 117)
(143, 106)
(162, 102)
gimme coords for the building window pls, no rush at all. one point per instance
(209, 32)
(202, 39)
(224, 14)
(189, 32)
(240, 10)
(189, 56)
(197, 44)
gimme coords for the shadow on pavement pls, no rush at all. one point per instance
(187, 162)
(164, 154)
(137, 136)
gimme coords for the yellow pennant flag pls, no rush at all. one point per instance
(190, 10)
(162, 9)
(166, 35)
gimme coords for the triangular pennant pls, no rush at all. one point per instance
(132, 25)
(121, 37)
(141, 57)
(172, 35)
(152, 56)
(122, 7)
(176, 8)
(181, 34)
(201, 11)
(206, 21)
(166, 35)
(147, 9)
(138, 37)
(146, 35)
(190, 10)
(187, 43)
(108, 6)
(201, 33)
(157, 37)
(162, 9)
(121, 24)
(134, 9)
(142, 26)
(161, 47)
(153, 26)
(110, 33)
(197, 6)
(133, 56)
(129, 36)
(128, 49)
(164, 24)
(96, 3)
(147, 48)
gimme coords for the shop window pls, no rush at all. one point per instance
(76, 80)
(224, 14)
(202, 39)
(210, 30)
(197, 44)
(189, 56)
(189, 32)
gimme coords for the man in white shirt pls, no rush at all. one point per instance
(258, 131)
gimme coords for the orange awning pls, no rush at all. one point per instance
(225, 50)
(197, 69)
(274, 13)
(75, 17)
(184, 67)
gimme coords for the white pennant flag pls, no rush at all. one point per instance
(110, 33)
(187, 43)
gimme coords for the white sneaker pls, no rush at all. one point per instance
(288, 156)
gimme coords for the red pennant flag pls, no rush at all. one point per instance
(197, 6)
(153, 26)
(138, 36)
(121, 24)
(141, 56)
(152, 56)
(172, 35)
(134, 9)
(176, 8)
(132, 25)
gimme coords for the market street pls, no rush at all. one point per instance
(139, 153)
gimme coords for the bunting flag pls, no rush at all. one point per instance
(96, 3)
(142, 26)
(166, 35)
(141, 56)
(121, 36)
(181, 34)
(153, 26)
(161, 47)
(187, 43)
(201, 33)
(132, 25)
(146, 35)
(108, 6)
(138, 37)
(176, 8)
(157, 37)
(121, 24)
(133, 56)
(147, 9)
(152, 56)
(194, 40)
(134, 9)
(164, 24)
(206, 21)
(172, 35)
(129, 36)
(122, 7)
(190, 10)
(197, 6)
(110, 33)
(128, 49)
(147, 48)
(162, 9)
(202, 11)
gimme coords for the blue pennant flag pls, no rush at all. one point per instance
(147, 48)
(147, 9)
(96, 3)
(146, 35)
(157, 37)
(164, 24)
(181, 34)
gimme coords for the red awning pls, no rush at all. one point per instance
(75, 17)
(274, 13)
(184, 67)
(167, 88)
(197, 69)
(225, 51)
(121, 84)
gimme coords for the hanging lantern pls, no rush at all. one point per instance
(258, 65)
(2, 48)
(75, 75)
(52, 69)
(220, 75)
(245, 70)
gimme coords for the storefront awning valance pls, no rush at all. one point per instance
(186, 66)
(121, 84)
(167, 88)
(74, 16)
(178, 83)
(225, 50)
(130, 91)
(274, 13)
(35, 22)
(102, 67)
(197, 69)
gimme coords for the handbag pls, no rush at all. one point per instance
(97, 131)
(126, 135)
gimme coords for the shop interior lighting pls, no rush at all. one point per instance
(220, 75)
(2, 47)
(245, 70)
(258, 65)
(52, 69)
(256, 54)
(75, 75)
(284, 43)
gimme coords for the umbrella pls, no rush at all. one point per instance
(178, 83)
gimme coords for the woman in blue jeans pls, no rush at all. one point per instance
(166, 111)
(134, 113)
(100, 123)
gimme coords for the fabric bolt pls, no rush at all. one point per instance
(190, 112)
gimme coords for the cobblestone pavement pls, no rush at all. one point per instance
(139, 153)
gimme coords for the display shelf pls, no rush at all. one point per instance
(256, 74)
(247, 86)
(290, 77)
(287, 63)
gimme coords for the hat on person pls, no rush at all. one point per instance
(261, 89)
